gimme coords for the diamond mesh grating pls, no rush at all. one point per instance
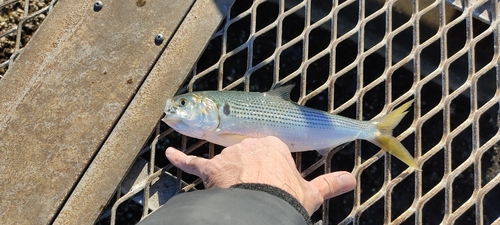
(361, 59)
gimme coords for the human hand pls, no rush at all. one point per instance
(267, 161)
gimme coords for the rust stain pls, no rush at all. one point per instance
(140, 3)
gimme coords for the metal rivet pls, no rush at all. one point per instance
(159, 39)
(98, 6)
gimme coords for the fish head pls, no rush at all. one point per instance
(191, 114)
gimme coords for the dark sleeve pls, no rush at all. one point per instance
(253, 204)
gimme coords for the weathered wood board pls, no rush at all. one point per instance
(82, 98)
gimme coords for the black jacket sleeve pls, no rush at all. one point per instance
(242, 204)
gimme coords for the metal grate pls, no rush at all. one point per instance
(18, 21)
(361, 59)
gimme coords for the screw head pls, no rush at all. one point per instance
(159, 39)
(98, 6)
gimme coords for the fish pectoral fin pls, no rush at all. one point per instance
(324, 152)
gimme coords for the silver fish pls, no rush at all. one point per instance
(227, 117)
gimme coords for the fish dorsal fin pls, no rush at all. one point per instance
(282, 92)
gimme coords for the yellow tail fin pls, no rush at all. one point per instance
(386, 141)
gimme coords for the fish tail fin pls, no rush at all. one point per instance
(389, 143)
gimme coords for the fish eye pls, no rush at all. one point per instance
(183, 102)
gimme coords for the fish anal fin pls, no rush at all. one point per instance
(282, 92)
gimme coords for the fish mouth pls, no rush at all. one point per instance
(170, 119)
(170, 113)
(169, 107)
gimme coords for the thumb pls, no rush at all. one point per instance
(187, 163)
(334, 184)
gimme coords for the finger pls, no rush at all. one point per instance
(187, 163)
(333, 184)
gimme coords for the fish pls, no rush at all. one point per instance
(227, 117)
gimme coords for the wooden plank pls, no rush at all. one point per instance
(66, 92)
(143, 113)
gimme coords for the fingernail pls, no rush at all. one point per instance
(169, 151)
(347, 180)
